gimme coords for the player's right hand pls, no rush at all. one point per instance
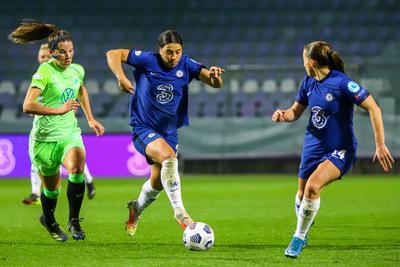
(126, 85)
(278, 116)
(68, 106)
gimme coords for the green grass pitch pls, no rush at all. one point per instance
(252, 217)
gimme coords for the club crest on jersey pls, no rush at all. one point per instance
(68, 94)
(76, 80)
(179, 74)
(329, 97)
(166, 94)
(353, 87)
(138, 53)
(151, 135)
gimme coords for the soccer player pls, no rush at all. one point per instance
(158, 108)
(55, 138)
(34, 197)
(330, 145)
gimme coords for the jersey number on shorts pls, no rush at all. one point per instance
(318, 118)
(339, 154)
(166, 94)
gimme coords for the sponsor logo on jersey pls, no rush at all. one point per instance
(329, 97)
(353, 87)
(37, 76)
(67, 94)
(318, 118)
(166, 94)
(138, 53)
(179, 74)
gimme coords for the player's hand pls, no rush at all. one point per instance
(382, 154)
(278, 116)
(215, 71)
(97, 127)
(68, 106)
(126, 85)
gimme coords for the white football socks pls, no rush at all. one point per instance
(307, 212)
(147, 196)
(297, 205)
(35, 181)
(172, 185)
(87, 174)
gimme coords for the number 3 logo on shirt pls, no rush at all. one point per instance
(166, 94)
(318, 118)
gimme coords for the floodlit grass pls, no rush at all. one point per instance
(252, 217)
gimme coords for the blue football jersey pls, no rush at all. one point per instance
(331, 104)
(160, 101)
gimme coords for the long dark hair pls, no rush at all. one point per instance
(323, 53)
(168, 37)
(31, 31)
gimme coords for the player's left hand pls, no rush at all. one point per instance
(215, 71)
(382, 154)
(97, 127)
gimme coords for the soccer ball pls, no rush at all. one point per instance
(198, 236)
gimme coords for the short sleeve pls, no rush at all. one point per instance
(353, 91)
(138, 59)
(81, 72)
(194, 68)
(41, 77)
(302, 97)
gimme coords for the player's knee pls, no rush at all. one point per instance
(76, 169)
(312, 189)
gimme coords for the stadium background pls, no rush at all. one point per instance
(258, 42)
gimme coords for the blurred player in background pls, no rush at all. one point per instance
(158, 108)
(34, 197)
(330, 145)
(55, 138)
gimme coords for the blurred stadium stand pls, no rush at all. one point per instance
(259, 42)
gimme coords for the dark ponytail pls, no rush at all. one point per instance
(168, 37)
(31, 31)
(322, 52)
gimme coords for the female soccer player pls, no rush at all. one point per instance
(158, 108)
(34, 197)
(55, 138)
(330, 145)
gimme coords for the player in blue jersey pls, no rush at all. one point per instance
(330, 145)
(158, 107)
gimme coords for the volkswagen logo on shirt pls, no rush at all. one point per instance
(166, 94)
(68, 94)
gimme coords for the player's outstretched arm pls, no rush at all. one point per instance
(382, 153)
(32, 106)
(85, 103)
(288, 115)
(114, 59)
(212, 77)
